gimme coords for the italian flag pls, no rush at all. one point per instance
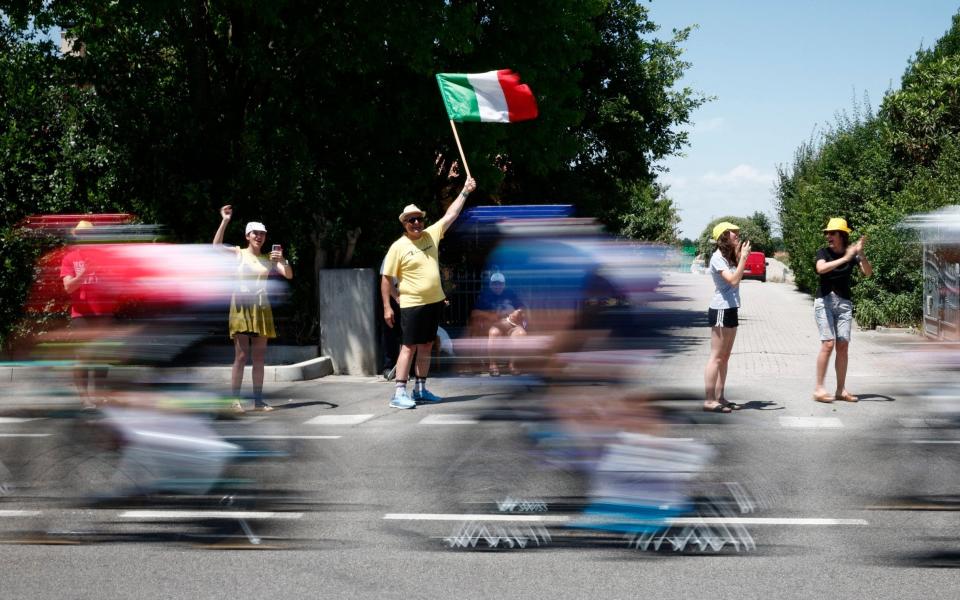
(492, 97)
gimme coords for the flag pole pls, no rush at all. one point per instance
(459, 147)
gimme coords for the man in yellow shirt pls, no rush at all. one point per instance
(414, 261)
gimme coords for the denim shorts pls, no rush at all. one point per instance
(834, 317)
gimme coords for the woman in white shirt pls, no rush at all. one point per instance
(726, 268)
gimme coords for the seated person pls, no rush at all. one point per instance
(506, 315)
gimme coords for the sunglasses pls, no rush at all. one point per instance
(414, 220)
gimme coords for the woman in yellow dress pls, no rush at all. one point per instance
(251, 319)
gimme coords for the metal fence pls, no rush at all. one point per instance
(462, 287)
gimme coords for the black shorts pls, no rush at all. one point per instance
(722, 317)
(420, 323)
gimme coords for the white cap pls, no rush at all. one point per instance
(498, 278)
(255, 226)
(411, 209)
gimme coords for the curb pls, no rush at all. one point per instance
(910, 330)
(314, 368)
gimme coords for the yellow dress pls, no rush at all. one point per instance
(250, 306)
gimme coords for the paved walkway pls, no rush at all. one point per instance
(777, 344)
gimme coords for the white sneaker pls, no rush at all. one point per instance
(402, 400)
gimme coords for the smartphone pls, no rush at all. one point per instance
(276, 248)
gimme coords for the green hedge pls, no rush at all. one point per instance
(875, 170)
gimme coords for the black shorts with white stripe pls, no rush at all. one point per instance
(722, 317)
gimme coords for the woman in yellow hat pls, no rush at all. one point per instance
(833, 304)
(726, 267)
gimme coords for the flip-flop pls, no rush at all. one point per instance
(825, 398)
(719, 408)
(494, 372)
(848, 397)
(732, 405)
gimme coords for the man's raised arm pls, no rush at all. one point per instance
(454, 211)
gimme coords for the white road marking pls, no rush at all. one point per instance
(206, 514)
(567, 518)
(14, 420)
(283, 437)
(13, 435)
(468, 517)
(19, 513)
(811, 422)
(450, 419)
(338, 420)
(935, 441)
(763, 521)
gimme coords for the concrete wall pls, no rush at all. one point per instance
(348, 333)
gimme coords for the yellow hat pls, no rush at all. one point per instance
(837, 224)
(722, 226)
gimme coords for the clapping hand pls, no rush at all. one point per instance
(744, 251)
(855, 249)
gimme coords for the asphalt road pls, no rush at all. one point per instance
(379, 495)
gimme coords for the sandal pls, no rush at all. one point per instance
(848, 397)
(494, 372)
(732, 405)
(825, 398)
(719, 408)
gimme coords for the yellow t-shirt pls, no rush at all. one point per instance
(416, 266)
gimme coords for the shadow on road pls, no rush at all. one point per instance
(290, 405)
(761, 405)
(875, 398)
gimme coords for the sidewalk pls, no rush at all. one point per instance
(777, 345)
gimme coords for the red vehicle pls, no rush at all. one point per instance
(756, 267)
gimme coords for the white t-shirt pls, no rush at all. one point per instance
(726, 295)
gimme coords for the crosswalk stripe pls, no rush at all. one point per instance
(449, 419)
(15, 420)
(339, 419)
(811, 422)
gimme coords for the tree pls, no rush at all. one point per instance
(874, 170)
(323, 120)
(651, 216)
(756, 233)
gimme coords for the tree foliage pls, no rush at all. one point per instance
(323, 120)
(755, 228)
